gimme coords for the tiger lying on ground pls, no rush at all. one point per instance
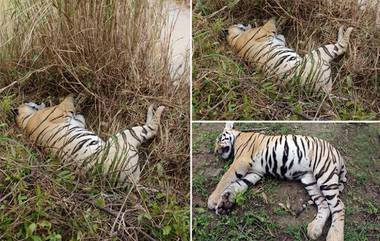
(316, 163)
(63, 132)
(266, 49)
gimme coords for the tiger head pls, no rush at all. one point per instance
(236, 29)
(224, 145)
(25, 111)
(30, 115)
(247, 33)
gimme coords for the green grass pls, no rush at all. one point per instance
(45, 201)
(255, 219)
(42, 200)
(199, 142)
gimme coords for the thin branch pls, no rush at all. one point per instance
(115, 214)
(8, 86)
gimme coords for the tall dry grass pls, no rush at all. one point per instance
(109, 54)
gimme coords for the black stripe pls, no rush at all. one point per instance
(330, 176)
(46, 118)
(285, 155)
(275, 164)
(291, 164)
(69, 131)
(26, 117)
(316, 153)
(310, 184)
(298, 174)
(329, 187)
(233, 38)
(55, 134)
(239, 176)
(299, 153)
(79, 145)
(133, 134)
(330, 197)
(144, 131)
(248, 41)
(324, 169)
(248, 183)
(336, 211)
(56, 118)
(242, 147)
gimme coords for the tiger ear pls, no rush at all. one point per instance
(68, 103)
(229, 125)
(270, 26)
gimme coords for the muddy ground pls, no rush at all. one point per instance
(260, 215)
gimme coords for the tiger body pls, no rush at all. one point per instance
(314, 162)
(266, 49)
(63, 132)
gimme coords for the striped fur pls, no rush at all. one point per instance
(314, 162)
(266, 49)
(63, 132)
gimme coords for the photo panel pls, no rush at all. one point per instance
(285, 60)
(283, 181)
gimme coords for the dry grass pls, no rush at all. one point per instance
(227, 88)
(109, 55)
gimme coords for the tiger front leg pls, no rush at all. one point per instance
(227, 199)
(315, 228)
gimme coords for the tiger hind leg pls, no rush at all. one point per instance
(342, 178)
(121, 150)
(315, 228)
(318, 61)
(149, 115)
(327, 53)
(140, 134)
(343, 40)
(329, 184)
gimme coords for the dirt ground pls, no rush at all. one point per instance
(259, 215)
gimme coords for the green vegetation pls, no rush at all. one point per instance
(227, 88)
(262, 213)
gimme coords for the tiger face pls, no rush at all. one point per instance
(25, 111)
(238, 29)
(224, 144)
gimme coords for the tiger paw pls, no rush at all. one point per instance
(344, 36)
(225, 203)
(314, 230)
(334, 235)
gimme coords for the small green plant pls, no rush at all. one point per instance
(199, 184)
(240, 198)
(6, 103)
